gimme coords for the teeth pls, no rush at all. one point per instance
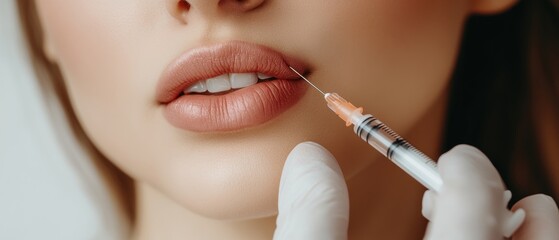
(218, 84)
(263, 76)
(199, 87)
(226, 82)
(241, 80)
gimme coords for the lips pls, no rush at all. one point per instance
(235, 109)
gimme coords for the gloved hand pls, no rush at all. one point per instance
(313, 200)
(471, 204)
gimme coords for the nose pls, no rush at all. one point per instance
(182, 9)
(212, 7)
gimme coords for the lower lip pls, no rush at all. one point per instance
(243, 108)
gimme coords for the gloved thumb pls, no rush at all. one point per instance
(313, 198)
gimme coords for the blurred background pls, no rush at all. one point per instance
(41, 195)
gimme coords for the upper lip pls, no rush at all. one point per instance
(232, 57)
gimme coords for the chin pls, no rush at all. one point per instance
(230, 205)
(239, 187)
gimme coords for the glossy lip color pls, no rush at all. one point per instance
(243, 108)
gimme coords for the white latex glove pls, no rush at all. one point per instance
(314, 204)
(313, 199)
(470, 204)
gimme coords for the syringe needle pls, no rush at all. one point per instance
(309, 82)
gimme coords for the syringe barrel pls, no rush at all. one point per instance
(395, 148)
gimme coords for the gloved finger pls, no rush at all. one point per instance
(313, 198)
(542, 218)
(470, 202)
(429, 198)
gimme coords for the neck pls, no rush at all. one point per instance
(385, 202)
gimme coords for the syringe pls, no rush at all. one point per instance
(399, 151)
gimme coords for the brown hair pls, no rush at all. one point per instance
(50, 78)
(506, 61)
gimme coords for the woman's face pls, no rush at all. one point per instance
(393, 58)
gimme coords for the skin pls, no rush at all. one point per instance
(112, 54)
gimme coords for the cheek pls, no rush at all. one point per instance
(101, 48)
(392, 57)
(111, 56)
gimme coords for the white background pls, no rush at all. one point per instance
(47, 188)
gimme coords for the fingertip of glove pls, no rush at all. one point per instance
(427, 204)
(465, 162)
(462, 156)
(310, 145)
(312, 150)
(310, 173)
(540, 200)
(307, 154)
(464, 150)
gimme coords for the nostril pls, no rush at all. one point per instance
(179, 10)
(183, 5)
